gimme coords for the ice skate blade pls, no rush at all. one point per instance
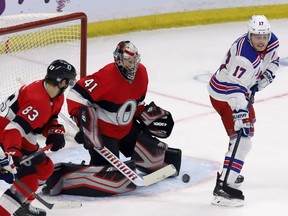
(222, 201)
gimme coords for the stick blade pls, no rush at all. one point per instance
(159, 175)
(66, 205)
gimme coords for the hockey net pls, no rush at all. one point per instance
(30, 42)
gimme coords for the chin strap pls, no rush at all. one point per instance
(61, 90)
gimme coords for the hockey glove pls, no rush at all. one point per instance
(8, 169)
(266, 79)
(56, 137)
(241, 121)
(158, 121)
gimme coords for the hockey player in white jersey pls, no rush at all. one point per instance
(249, 65)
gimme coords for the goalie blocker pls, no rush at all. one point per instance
(149, 155)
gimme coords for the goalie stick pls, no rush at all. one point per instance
(230, 190)
(88, 125)
(146, 180)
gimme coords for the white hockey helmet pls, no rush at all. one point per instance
(259, 24)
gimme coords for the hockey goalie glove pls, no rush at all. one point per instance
(158, 121)
(55, 136)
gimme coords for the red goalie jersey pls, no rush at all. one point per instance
(118, 100)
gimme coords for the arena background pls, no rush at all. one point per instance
(111, 17)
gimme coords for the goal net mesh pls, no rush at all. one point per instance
(30, 42)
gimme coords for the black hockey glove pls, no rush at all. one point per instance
(158, 121)
(56, 137)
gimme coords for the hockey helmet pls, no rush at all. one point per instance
(127, 59)
(60, 70)
(259, 24)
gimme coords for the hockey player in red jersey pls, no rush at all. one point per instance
(249, 65)
(117, 92)
(26, 114)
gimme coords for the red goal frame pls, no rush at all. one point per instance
(59, 19)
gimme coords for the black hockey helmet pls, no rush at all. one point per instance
(60, 70)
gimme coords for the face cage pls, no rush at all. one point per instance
(127, 71)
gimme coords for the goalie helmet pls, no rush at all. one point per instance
(127, 59)
(259, 24)
(60, 70)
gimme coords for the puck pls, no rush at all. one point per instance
(186, 178)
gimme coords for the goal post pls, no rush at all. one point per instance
(30, 42)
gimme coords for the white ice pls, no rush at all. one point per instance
(180, 62)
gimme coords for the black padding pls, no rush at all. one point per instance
(174, 156)
(108, 174)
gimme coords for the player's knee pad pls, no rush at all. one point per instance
(149, 153)
(45, 169)
(83, 180)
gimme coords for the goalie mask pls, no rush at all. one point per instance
(127, 58)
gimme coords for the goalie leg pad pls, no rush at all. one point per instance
(92, 181)
(88, 125)
(149, 153)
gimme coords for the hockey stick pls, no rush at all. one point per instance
(40, 199)
(69, 121)
(230, 190)
(88, 125)
(57, 205)
(146, 180)
(37, 153)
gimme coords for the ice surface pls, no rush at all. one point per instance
(180, 62)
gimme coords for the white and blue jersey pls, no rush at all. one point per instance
(242, 68)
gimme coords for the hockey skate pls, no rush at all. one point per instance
(223, 198)
(29, 210)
